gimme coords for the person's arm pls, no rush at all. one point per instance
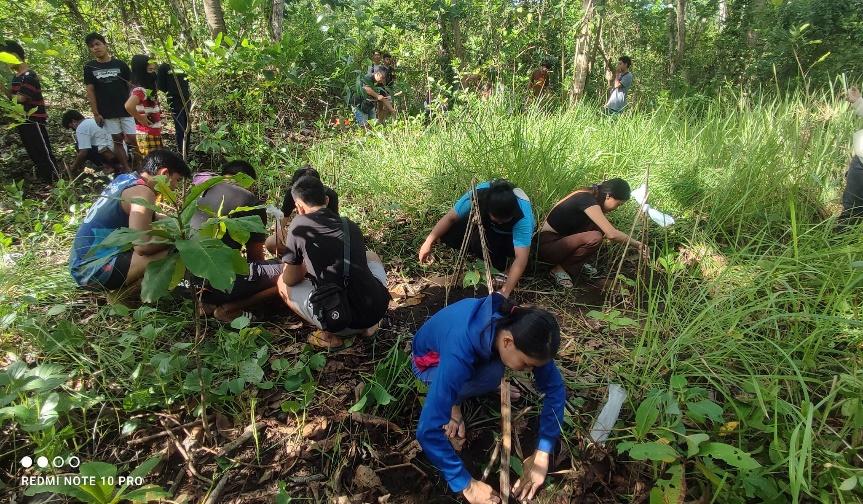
(132, 109)
(610, 232)
(94, 106)
(293, 274)
(535, 467)
(80, 159)
(451, 376)
(141, 217)
(295, 269)
(516, 270)
(439, 229)
(371, 92)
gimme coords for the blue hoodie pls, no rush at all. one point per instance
(463, 336)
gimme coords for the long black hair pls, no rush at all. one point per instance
(617, 188)
(535, 331)
(499, 200)
(140, 76)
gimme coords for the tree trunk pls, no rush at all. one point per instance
(681, 32)
(215, 17)
(445, 52)
(277, 19)
(723, 14)
(583, 49)
(72, 5)
(457, 41)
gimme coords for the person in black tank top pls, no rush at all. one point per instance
(576, 226)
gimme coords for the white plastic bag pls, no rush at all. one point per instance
(608, 415)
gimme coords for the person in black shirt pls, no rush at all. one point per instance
(176, 86)
(576, 226)
(225, 198)
(108, 84)
(314, 256)
(276, 242)
(26, 89)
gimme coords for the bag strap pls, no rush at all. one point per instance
(346, 239)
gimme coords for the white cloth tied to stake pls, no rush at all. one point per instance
(640, 196)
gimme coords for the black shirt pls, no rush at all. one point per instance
(568, 218)
(28, 85)
(174, 85)
(289, 206)
(110, 82)
(315, 240)
(229, 197)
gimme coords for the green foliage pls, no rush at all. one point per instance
(390, 383)
(105, 491)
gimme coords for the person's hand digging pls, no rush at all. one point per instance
(478, 492)
(535, 469)
(425, 252)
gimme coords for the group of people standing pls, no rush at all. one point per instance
(127, 118)
(372, 97)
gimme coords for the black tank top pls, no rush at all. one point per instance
(568, 218)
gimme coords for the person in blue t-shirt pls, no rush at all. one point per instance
(462, 352)
(507, 218)
(126, 202)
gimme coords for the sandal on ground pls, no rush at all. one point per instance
(225, 320)
(562, 279)
(316, 340)
(589, 270)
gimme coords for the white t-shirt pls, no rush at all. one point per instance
(88, 134)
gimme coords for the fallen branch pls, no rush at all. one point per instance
(365, 418)
(494, 456)
(182, 451)
(162, 434)
(245, 436)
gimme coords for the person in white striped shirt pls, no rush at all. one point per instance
(143, 104)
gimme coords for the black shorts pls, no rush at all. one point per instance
(261, 276)
(119, 272)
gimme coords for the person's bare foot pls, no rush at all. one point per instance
(207, 309)
(324, 339)
(222, 314)
(372, 330)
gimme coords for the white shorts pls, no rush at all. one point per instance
(125, 125)
(301, 293)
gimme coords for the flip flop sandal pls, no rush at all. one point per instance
(315, 340)
(562, 279)
(248, 315)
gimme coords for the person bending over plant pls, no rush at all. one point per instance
(576, 226)
(368, 93)
(93, 143)
(345, 292)
(127, 201)
(507, 217)
(462, 352)
(276, 242)
(852, 196)
(218, 207)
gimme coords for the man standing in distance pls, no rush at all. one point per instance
(107, 80)
(622, 82)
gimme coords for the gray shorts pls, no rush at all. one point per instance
(301, 293)
(124, 125)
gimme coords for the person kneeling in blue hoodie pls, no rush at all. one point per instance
(461, 352)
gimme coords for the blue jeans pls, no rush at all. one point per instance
(485, 380)
(362, 118)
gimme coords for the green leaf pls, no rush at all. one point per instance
(653, 451)
(704, 409)
(381, 395)
(848, 484)
(146, 467)
(122, 238)
(677, 381)
(67, 490)
(251, 371)
(240, 322)
(693, 441)
(147, 493)
(291, 407)
(159, 278)
(669, 491)
(471, 279)
(646, 415)
(9, 58)
(317, 361)
(56, 310)
(144, 203)
(730, 455)
(190, 201)
(48, 412)
(360, 404)
(209, 259)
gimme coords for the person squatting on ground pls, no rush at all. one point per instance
(507, 217)
(108, 84)
(143, 104)
(175, 85)
(576, 225)
(276, 242)
(622, 83)
(26, 88)
(462, 352)
(315, 262)
(125, 202)
(368, 93)
(226, 199)
(539, 79)
(852, 196)
(92, 142)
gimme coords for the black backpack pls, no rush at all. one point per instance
(329, 301)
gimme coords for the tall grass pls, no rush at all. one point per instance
(757, 298)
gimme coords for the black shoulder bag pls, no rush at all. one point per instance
(329, 301)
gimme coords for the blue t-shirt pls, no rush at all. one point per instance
(462, 334)
(104, 217)
(522, 232)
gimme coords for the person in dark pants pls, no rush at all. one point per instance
(852, 196)
(26, 89)
(507, 217)
(176, 86)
